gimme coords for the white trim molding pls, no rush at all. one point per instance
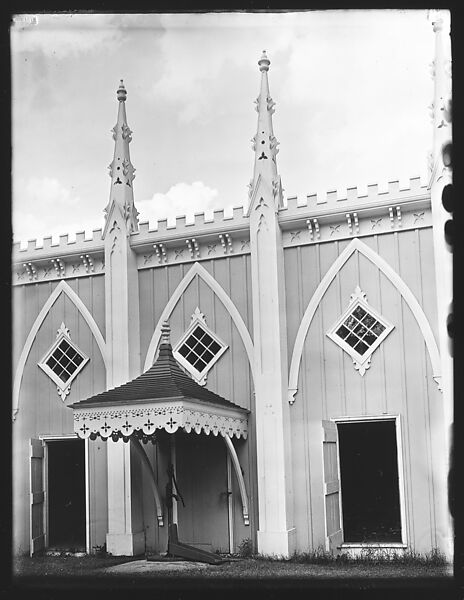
(240, 479)
(396, 418)
(63, 387)
(198, 320)
(361, 362)
(357, 245)
(198, 269)
(64, 288)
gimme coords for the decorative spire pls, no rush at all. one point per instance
(121, 170)
(264, 142)
(165, 333)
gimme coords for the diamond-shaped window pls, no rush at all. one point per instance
(360, 331)
(199, 348)
(63, 361)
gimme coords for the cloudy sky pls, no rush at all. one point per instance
(352, 90)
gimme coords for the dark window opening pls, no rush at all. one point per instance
(66, 494)
(369, 482)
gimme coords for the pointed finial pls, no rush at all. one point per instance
(165, 333)
(121, 93)
(264, 62)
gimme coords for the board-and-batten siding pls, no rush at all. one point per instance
(230, 377)
(399, 380)
(41, 409)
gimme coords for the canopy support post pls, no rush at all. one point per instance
(143, 455)
(240, 479)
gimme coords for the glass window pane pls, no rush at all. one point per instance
(214, 347)
(352, 340)
(361, 347)
(368, 320)
(369, 338)
(342, 332)
(360, 330)
(378, 328)
(199, 365)
(184, 350)
(207, 356)
(359, 312)
(350, 322)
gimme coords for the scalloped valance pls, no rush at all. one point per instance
(143, 420)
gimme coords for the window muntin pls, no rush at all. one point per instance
(360, 330)
(199, 348)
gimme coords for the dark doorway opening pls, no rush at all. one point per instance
(369, 482)
(66, 494)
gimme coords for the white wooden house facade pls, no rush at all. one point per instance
(323, 317)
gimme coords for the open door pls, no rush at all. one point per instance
(333, 522)
(37, 529)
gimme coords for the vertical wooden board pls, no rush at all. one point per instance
(420, 451)
(292, 295)
(190, 301)
(98, 480)
(310, 273)
(390, 302)
(204, 516)
(247, 457)
(160, 291)
(20, 489)
(408, 250)
(316, 483)
(46, 401)
(428, 283)
(374, 380)
(237, 288)
(19, 327)
(223, 368)
(137, 486)
(98, 301)
(177, 319)
(438, 476)
(249, 286)
(150, 520)
(299, 452)
(331, 353)
(352, 385)
(206, 305)
(243, 382)
(146, 309)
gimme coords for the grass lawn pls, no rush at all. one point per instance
(47, 568)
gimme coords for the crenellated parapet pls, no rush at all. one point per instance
(203, 238)
(315, 218)
(62, 260)
(353, 213)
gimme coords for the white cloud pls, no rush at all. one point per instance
(63, 36)
(181, 199)
(42, 205)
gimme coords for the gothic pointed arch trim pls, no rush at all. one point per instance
(240, 479)
(61, 288)
(357, 245)
(198, 269)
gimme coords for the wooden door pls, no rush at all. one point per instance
(202, 477)
(333, 522)
(37, 497)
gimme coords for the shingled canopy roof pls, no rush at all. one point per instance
(163, 391)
